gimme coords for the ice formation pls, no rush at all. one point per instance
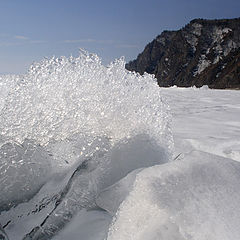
(24, 169)
(60, 97)
(79, 126)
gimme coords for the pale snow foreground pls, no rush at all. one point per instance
(87, 154)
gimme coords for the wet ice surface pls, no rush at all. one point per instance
(86, 153)
(24, 169)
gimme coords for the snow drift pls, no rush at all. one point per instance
(195, 198)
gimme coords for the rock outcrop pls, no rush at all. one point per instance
(204, 52)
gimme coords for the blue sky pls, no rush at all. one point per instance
(33, 29)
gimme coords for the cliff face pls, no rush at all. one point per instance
(204, 52)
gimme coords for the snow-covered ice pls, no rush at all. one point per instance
(195, 198)
(205, 120)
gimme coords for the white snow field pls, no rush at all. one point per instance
(205, 120)
(89, 152)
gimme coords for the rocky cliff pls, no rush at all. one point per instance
(204, 52)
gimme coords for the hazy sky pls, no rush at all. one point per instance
(33, 29)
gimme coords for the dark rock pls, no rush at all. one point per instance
(204, 52)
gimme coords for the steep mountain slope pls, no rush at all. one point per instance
(204, 52)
